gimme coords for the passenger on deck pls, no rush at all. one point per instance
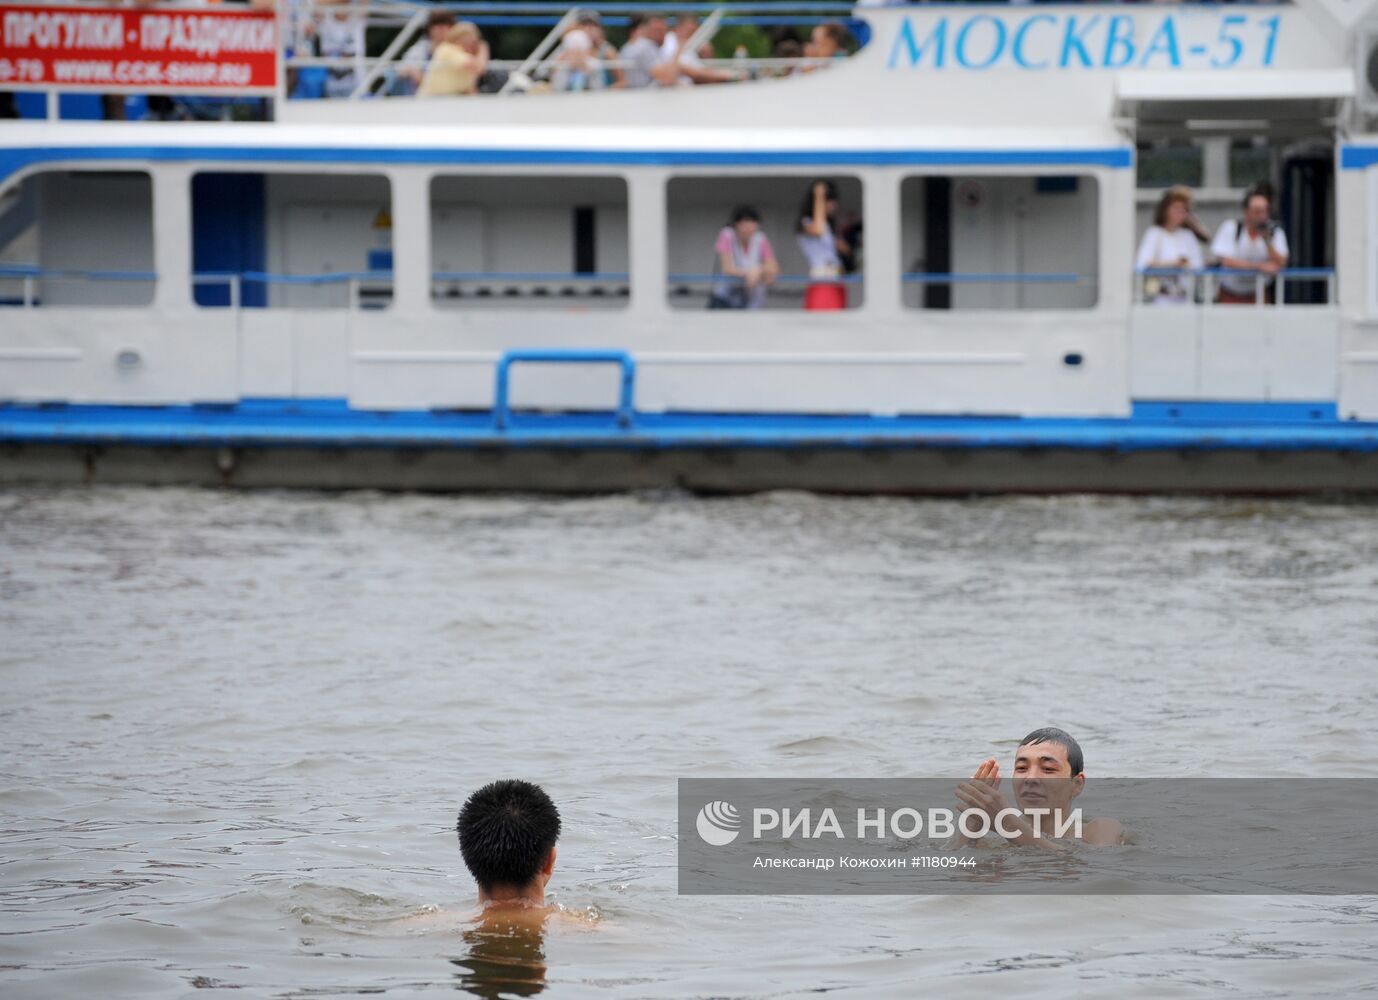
(1253, 243)
(786, 48)
(412, 66)
(457, 64)
(648, 65)
(507, 832)
(339, 35)
(583, 51)
(1170, 243)
(675, 50)
(745, 253)
(827, 41)
(822, 247)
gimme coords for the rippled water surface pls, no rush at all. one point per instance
(236, 728)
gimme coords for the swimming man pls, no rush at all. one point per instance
(1048, 775)
(507, 833)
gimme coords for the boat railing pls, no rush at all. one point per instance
(19, 283)
(996, 278)
(783, 279)
(365, 289)
(373, 289)
(1205, 283)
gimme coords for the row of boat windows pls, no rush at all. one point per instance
(325, 241)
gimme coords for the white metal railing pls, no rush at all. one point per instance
(1203, 285)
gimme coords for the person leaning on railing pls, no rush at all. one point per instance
(580, 59)
(743, 253)
(457, 63)
(827, 41)
(644, 63)
(689, 65)
(412, 67)
(1171, 244)
(1253, 243)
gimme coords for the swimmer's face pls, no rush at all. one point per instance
(1043, 778)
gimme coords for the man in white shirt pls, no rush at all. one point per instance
(690, 66)
(1254, 243)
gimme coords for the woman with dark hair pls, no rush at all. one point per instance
(745, 264)
(1171, 243)
(822, 247)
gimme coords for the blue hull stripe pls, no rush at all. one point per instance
(332, 423)
(1121, 158)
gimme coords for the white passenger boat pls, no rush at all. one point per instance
(509, 290)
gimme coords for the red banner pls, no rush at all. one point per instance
(152, 50)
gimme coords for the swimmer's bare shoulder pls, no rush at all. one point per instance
(1103, 832)
(525, 918)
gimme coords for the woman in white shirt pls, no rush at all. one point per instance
(1170, 243)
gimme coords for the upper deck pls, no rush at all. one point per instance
(965, 66)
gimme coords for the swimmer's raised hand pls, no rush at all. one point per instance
(988, 771)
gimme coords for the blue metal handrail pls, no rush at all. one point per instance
(502, 410)
(622, 20)
(543, 276)
(267, 278)
(34, 271)
(784, 279)
(810, 6)
(993, 278)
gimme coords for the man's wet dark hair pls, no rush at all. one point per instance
(1051, 734)
(506, 829)
(743, 212)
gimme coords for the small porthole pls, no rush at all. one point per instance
(1072, 359)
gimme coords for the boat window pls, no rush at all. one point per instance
(292, 240)
(1251, 162)
(77, 238)
(740, 242)
(529, 242)
(999, 242)
(1165, 163)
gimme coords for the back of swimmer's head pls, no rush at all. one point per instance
(507, 832)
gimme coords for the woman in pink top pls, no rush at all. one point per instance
(746, 263)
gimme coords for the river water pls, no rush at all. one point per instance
(237, 726)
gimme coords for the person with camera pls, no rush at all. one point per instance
(1254, 243)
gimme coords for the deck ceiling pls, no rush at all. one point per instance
(1237, 103)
